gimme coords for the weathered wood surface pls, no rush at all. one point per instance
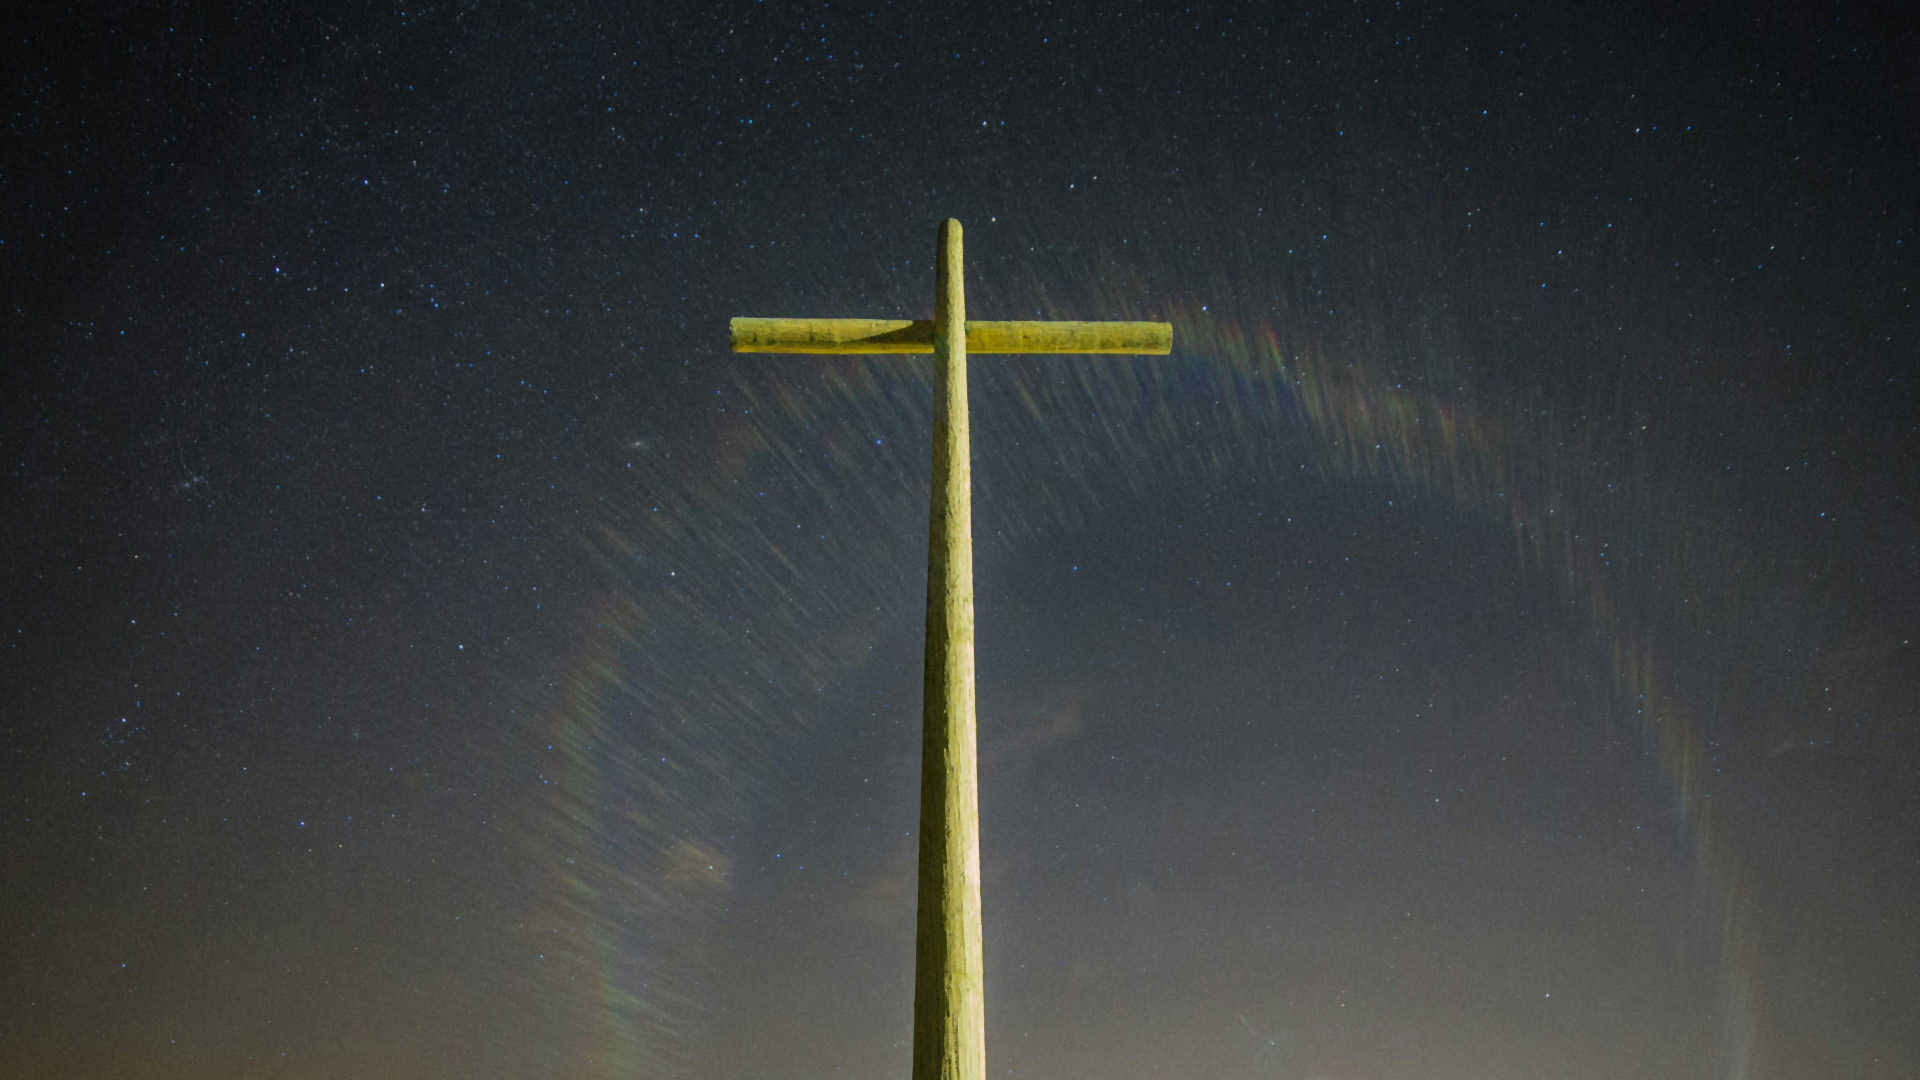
(949, 1010)
(949, 1015)
(916, 336)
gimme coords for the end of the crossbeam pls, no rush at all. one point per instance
(832, 335)
(1137, 338)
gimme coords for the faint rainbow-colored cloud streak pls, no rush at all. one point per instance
(1272, 405)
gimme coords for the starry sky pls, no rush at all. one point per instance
(1484, 648)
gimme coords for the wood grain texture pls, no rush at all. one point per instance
(949, 1010)
(916, 336)
(949, 1013)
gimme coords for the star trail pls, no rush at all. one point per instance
(1483, 648)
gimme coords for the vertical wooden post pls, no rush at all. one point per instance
(949, 1017)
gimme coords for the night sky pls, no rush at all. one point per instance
(1484, 648)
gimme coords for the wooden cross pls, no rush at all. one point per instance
(949, 1020)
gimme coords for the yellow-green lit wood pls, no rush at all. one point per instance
(949, 1009)
(916, 336)
(1152, 338)
(833, 335)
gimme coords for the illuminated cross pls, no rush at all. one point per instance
(949, 1023)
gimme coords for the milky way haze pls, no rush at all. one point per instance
(1484, 648)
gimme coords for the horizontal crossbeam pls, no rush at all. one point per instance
(916, 336)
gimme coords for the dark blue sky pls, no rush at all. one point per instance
(1484, 648)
